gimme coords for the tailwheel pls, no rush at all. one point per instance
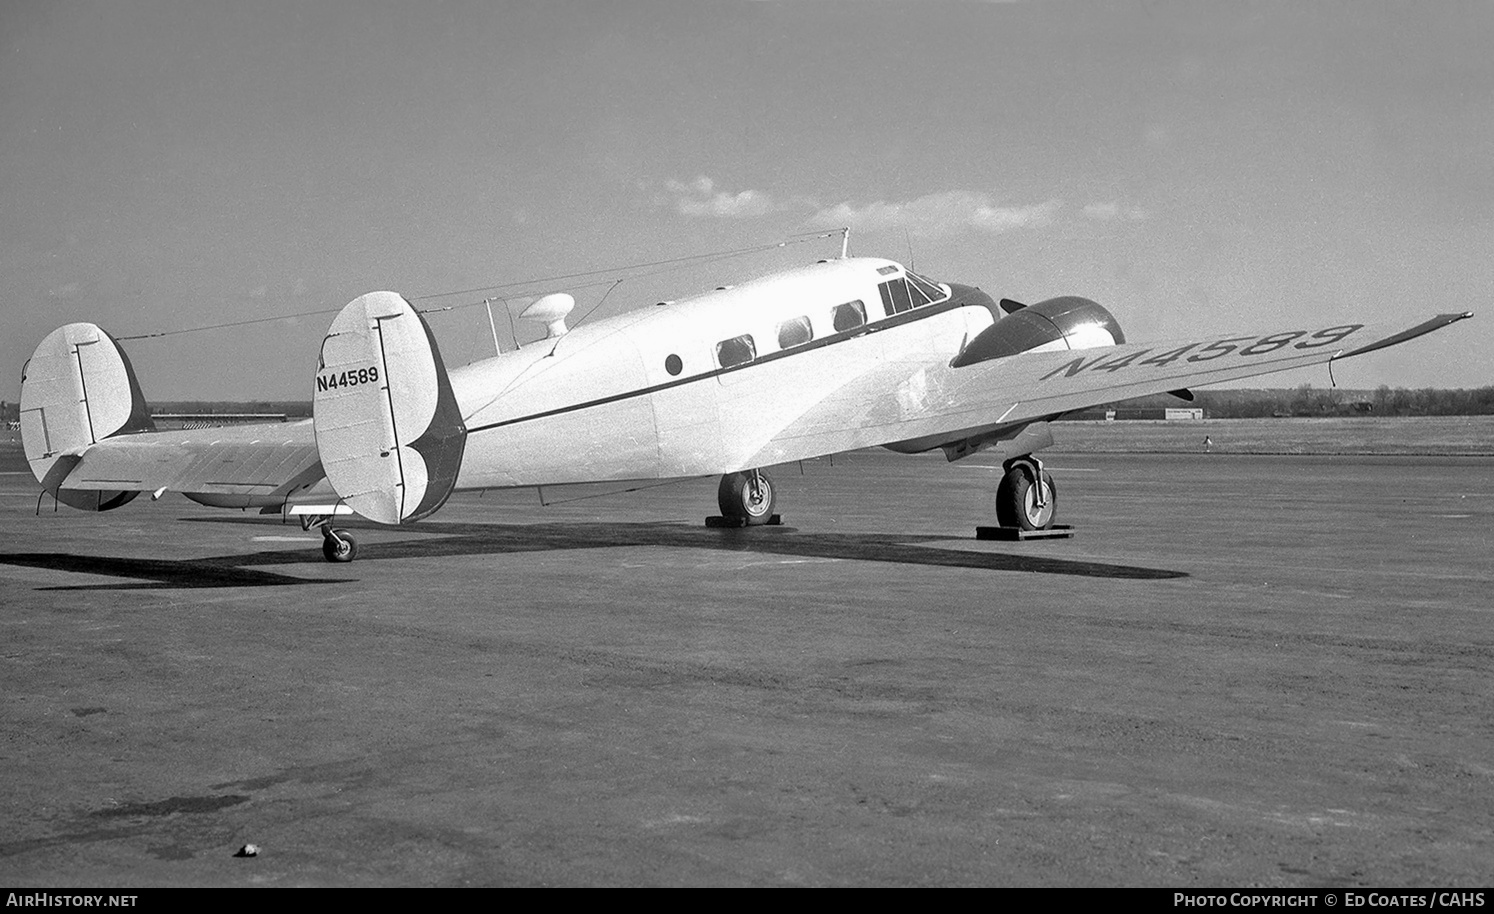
(1026, 498)
(338, 546)
(747, 497)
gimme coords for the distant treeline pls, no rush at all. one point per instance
(1217, 404)
(295, 409)
(1333, 401)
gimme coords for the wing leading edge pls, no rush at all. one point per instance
(928, 404)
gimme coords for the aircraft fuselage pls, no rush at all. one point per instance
(703, 386)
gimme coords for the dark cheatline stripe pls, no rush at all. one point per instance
(896, 320)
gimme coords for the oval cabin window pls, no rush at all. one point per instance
(739, 350)
(849, 316)
(794, 332)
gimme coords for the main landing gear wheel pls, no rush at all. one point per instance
(337, 546)
(747, 497)
(1022, 505)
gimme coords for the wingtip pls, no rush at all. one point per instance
(1425, 327)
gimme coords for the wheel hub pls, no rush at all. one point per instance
(759, 496)
(1038, 504)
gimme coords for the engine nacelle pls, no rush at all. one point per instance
(1068, 322)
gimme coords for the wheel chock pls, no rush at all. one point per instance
(1057, 531)
(775, 520)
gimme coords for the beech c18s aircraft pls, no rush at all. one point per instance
(847, 353)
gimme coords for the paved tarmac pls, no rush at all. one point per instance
(1243, 671)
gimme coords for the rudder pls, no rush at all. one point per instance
(388, 430)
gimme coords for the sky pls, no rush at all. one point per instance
(1195, 167)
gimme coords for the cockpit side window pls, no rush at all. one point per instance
(849, 316)
(794, 332)
(739, 350)
(895, 296)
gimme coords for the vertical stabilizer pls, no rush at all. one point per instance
(388, 430)
(78, 389)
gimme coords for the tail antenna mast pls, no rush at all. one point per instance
(845, 242)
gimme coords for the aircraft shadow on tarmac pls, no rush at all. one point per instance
(158, 573)
(449, 539)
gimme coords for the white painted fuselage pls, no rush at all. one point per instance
(650, 394)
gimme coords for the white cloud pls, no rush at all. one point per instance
(701, 186)
(928, 216)
(701, 198)
(745, 203)
(940, 214)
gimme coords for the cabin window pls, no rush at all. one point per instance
(674, 365)
(794, 333)
(739, 350)
(849, 316)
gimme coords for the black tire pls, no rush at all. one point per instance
(1016, 505)
(739, 499)
(339, 547)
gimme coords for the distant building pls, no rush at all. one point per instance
(1175, 415)
(1129, 413)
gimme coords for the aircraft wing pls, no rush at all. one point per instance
(265, 459)
(927, 403)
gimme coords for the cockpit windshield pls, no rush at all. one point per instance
(933, 290)
(913, 291)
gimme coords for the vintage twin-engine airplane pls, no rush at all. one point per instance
(844, 354)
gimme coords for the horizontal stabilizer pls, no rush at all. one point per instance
(387, 426)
